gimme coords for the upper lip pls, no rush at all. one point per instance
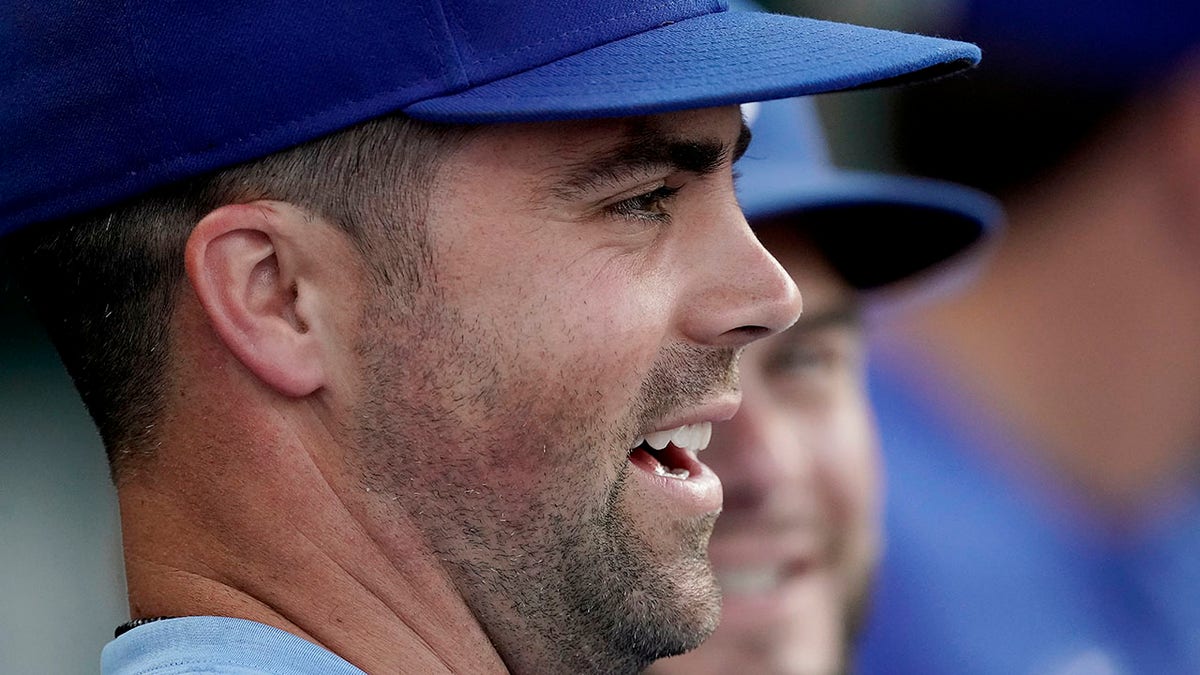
(717, 410)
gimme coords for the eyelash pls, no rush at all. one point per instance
(647, 206)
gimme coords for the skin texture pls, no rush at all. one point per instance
(799, 535)
(438, 481)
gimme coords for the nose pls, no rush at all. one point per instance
(762, 459)
(741, 293)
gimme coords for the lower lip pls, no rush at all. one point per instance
(699, 493)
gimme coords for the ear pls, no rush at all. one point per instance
(257, 271)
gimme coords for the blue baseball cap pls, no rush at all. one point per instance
(875, 229)
(103, 101)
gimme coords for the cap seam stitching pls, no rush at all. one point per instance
(443, 14)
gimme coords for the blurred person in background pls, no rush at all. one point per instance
(797, 541)
(1042, 432)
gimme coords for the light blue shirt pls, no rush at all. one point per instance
(220, 646)
(993, 566)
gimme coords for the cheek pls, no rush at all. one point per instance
(560, 358)
(852, 466)
(855, 490)
(596, 329)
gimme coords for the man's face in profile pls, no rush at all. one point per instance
(796, 543)
(588, 285)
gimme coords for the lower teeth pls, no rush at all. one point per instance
(680, 474)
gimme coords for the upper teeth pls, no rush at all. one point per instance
(692, 437)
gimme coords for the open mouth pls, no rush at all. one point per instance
(671, 453)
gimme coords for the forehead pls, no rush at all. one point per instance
(560, 143)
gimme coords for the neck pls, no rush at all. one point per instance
(274, 532)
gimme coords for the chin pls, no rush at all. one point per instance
(679, 601)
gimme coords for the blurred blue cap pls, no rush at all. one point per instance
(102, 101)
(875, 229)
(1105, 45)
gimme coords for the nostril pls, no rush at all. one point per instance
(749, 333)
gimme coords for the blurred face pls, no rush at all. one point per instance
(796, 543)
(589, 286)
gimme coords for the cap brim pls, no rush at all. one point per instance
(710, 60)
(876, 229)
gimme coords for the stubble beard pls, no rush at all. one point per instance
(551, 565)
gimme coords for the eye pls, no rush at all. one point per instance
(814, 356)
(650, 205)
(800, 360)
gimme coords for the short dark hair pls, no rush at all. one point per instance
(104, 284)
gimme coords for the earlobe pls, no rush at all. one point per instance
(249, 277)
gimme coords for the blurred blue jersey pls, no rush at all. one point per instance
(993, 568)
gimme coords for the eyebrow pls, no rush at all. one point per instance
(646, 150)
